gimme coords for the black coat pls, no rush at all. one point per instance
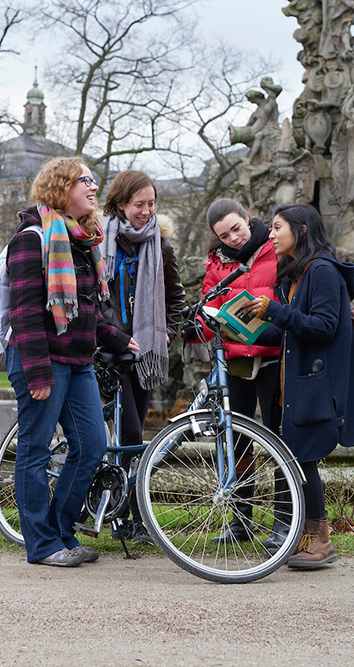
(317, 341)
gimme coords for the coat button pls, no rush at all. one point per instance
(269, 319)
(288, 405)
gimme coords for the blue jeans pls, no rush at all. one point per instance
(74, 402)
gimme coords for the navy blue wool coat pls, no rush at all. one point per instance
(318, 398)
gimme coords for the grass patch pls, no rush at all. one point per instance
(4, 381)
(104, 544)
(339, 505)
(343, 545)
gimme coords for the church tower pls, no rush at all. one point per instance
(34, 121)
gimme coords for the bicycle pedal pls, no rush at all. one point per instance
(85, 529)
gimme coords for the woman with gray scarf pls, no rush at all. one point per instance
(146, 297)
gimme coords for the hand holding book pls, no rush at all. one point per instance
(253, 308)
(237, 317)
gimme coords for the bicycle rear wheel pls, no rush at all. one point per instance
(178, 491)
(9, 515)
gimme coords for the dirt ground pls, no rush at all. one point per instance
(149, 612)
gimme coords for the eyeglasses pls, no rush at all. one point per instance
(88, 181)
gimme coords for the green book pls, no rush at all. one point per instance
(239, 326)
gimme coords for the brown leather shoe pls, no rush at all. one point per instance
(315, 548)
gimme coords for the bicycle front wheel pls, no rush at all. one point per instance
(9, 515)
(180, 494)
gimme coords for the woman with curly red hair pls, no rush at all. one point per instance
(56, 321)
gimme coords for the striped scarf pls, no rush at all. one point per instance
(59, 266)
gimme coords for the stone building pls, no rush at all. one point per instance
(21, 159)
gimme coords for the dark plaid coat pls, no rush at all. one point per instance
(34, 332)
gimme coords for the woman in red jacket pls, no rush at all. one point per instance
(239, 239)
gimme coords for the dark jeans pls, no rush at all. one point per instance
(74, 402)
(135, 403)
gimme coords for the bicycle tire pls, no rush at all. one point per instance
(176, 490)
(10, 526)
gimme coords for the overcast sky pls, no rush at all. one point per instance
(252, 24)
(262, 26)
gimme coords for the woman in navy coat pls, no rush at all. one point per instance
(313, 323)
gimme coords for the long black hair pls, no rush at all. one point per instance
(307, 244)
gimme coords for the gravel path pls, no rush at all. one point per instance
(148, 612)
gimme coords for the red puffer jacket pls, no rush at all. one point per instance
(260, 275)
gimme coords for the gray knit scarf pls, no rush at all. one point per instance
(149, 316)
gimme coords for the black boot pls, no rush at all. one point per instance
(282, 514)
(241, 527)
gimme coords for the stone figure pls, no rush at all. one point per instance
(317, 111)
(262, 123)
(307, 12)
(313, 160)
(318, 126)
(309, 16)
(348, 106)
(299, 113)
(343, 163)
(337, 18)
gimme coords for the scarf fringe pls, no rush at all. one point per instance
(70, 306)
(152, 370)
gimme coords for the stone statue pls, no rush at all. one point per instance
(348, 106)
(262, 123)
(343, 150)
(311, 160)
(323, 115)
(317, 125)
(309, 16)
(337, 18)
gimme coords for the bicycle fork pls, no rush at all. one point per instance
(224, 439)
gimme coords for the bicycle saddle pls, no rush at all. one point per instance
(104, 356)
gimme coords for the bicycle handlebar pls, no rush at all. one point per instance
(189, 313)
(232, 276)
(214, 291)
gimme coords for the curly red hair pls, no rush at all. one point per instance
(53, 183)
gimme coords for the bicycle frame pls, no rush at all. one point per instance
(115, 448)
(216, 382)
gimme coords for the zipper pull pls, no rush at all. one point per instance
(131, 303)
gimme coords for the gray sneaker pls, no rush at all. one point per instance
(62, 558)
(87, 554)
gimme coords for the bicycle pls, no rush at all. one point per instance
(188, 481)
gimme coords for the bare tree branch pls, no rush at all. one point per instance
(10, 17)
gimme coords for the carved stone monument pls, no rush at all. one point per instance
(310, 159)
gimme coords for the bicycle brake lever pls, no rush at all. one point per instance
(225, 291)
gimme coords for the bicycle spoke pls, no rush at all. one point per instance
(183, 505)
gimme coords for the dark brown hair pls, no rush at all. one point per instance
(123, 188)
(218, 210)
